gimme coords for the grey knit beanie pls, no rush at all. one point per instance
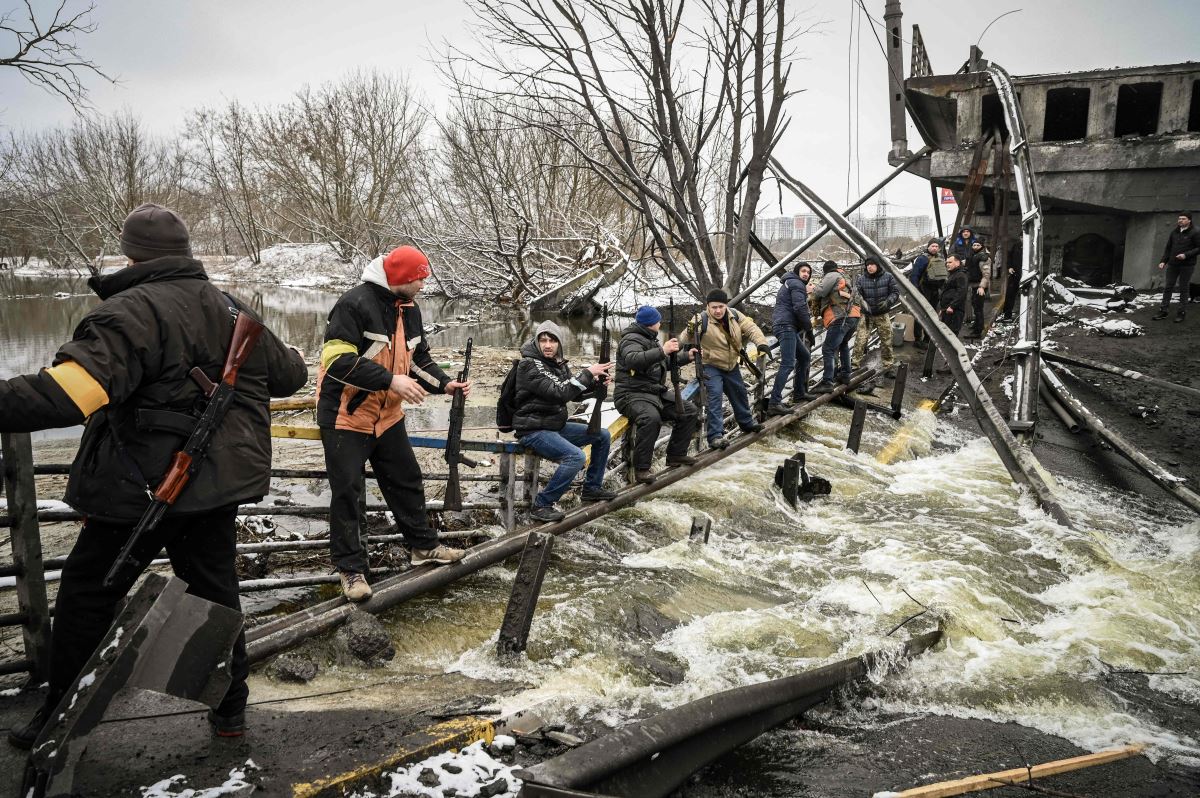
(152, 231)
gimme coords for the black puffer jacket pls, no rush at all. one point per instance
(954, 293)
(545, 387)
(641, 368)
(158, 319)
(1182, 242)
(878, 291)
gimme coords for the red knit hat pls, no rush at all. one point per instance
(405, 265)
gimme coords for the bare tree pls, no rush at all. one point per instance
(43, 48)
(683, 103)
(231, 177)
(341, 158)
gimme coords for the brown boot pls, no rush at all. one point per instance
(681, 460)
(644, 476)
(354, 586)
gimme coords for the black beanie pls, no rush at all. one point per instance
(717, 295)
(830, 267)
(152, 231)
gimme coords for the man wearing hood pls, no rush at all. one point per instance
(374, 360)
(978, 282)
(962, 244)
(126, 371)
(643, 397)
(792, 324)
(544, 388)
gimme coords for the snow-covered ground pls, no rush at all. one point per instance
(297, 265)
(469, 772)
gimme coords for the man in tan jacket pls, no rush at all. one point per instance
(720, 332)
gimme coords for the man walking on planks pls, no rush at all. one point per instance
(718, 332)
(544, 388)
(126, 370)
(374, 360)
(643, 397)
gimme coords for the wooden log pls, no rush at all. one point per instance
(1017, 776)
(898, 389)
(854, 439)
(508, 491)
(26, 542)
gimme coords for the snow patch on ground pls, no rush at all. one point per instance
(298, 265)
(1118, 328)
(463, 774)
(1007, 385)
(236, 784)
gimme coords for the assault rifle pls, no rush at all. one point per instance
(454, 455)
(673, 362)
(187, 461)
(601, 394)
(702, 427)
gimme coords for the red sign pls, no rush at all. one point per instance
(948, 197)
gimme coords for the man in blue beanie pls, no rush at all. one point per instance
(643, 397)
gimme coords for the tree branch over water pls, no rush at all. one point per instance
(46, 53)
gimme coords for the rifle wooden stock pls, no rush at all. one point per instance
(176, 478)
(246, 332)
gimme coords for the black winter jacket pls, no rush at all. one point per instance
(954, 293)
(1182, 242)
(642, 366)
(791, 305)
(878, 293)
(544, 388)
(127, 366)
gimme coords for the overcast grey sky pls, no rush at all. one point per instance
(173, 56)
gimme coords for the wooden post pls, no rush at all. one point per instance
(791, 478)
(856, 427)
(700, 529)
(522, 603)
(898, 389)
(930, 354)
(529, 487)
(26, 541)
(628, 442)
(508, 491)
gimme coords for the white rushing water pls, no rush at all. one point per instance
(1034, 614)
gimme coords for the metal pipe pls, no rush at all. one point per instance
(1096, 365)
(283, 633)
(1020, 462)
(1069, 421)
(1163, 478)
(892, 16)
(808, 242)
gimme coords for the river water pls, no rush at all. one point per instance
(1034, 614)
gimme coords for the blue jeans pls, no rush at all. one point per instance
(791, 345)
(837, 343)
(729, 383)
(563, 447)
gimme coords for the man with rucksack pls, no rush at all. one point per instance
(928, 275)
(840, 313)
(879, 292)
(375, 359)
(536, 396)
(718, 332)
(643, 397)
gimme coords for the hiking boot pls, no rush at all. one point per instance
(547, 513)
(597, 495)
(842, 379)
(779, 410)
(438, 555)
(718, 443)
(354, 586)
(644, 476)
(1180, 316)
(228, 725)
(23, 737)
(681, 460)
(804, 396)
(890, 373)
(925, 344)
(1162, 314)
(823, 387)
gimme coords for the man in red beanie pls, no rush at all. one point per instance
(374, 360)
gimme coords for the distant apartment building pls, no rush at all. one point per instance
(803, 225)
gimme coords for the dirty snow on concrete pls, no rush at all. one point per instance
(470, 772)
(236, 784)
(1118, 328)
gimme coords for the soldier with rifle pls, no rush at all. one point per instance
(375, 359)
(173, 378)
(642, 365)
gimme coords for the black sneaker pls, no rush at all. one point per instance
(755, 427)
(681, 460)
(823, 387)
(1180, 316)
(597, 495)
(779, 410)
(718, 443)
(23, 736)
(547, 513)
(227, 725)
(1162, 314)
(842, 379)
(797, 398)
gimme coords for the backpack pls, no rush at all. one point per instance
(506, 405)
(703, 322)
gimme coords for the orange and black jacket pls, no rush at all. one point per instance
(372, 335)
(126, 371)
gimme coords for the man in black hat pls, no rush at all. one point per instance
(719, 332)
(126, 372)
